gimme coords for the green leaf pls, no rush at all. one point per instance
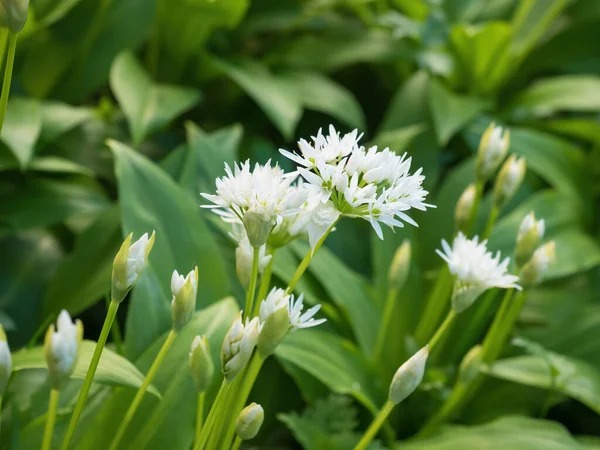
(576, 251)
(22, 126)
(322, 94)
(281, 105)
(58, 118)
(576, 379)
(147, 105)
(49, 11)
(451, 112)
(84, 276)
(410, 104)
(150, 200)
(515, 433)
(113, 370)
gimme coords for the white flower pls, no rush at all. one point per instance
(536, 268)
(509, 179)
(408, 376)
(475, 270)
(531, 232)
(238, 346)
(369, 184)
(493, 148)
(276, 299)
(298, 319)
(129, 264)
(178, 281)
(61, 348)
(184, 290)
(249, 421)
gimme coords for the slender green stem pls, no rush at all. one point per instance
(87, 383)
(8, 70)
(306, 261)
(212, 415)
(388, 312)
(491, 222)
(199, 417)
(435, 343)
(252, 287)
(142, 390)
(476, 202)
(115, 331)
(435, 306)
(3, 44)
(50, 419)
(375, 425)
(265, 282)
(0, 416)
(236, 443)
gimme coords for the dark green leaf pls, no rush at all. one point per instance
(22, 127)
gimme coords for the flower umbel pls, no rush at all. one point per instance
(61, 347)
(475, 270)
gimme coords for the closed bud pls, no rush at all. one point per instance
(244, 254)
(536, 268)
(61, 347)
(464, 208)
(408, 376)
(201, 363)
(238, 345)
(5, 361)
(13, 14)
(275, 318)
(470, 365)
(493, 148)
(258, 226)
(509, 180)
(129, 263)
(249, 421)
(531, 232)
(183, 305)
(400, 266)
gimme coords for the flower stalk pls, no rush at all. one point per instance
(6, 82)
(50, 419)
(252, 287)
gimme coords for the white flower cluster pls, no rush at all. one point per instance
(278, 299)
(475, 270)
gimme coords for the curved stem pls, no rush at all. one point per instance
(142, 390)
(476, 202)
(50, 419)
(10, 61)
(375, 426)
(214, 411)
(265, 282)
(236, 443)
(199, 417)
(252, 287)
(87, 383)
(435, 306)
(437, 340)
(491, 222)
(388, 312)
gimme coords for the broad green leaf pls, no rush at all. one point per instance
(84, 276)
(58, 118)
(576, 379)
(515, 433)
(333, 361)
(147, 105)
(576, 251)
(399, 139)
(586, 129)
(113, 369)
(150, 200)
(410, 104)
(451, 112)
(281, 105)
(44, 164)
(22, 126)
(322, 94)
(49, 11)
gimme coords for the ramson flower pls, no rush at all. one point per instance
(408, 376)
(249, 421)
(356, 182)
(299, 319)
(536, 268)
(475, 270)
(129, 263)
(183, 305)
(531, 232)
(61, 347)
(493, 148)
(509, 180)
(238, 345)
(258, 198)
(201, 364)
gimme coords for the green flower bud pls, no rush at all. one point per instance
(249, 421)
(470, 365)
(400, 266)
(408, 376)
(129, 263)
(201, 363)
(258, 225)
(509, 180)
(5, 361)
(275, 317)
(61, 347)
(534, 271)
(13, 14)
(530, 234)
(183, 305)
(464, 208)
(238, 346)
(493, 148)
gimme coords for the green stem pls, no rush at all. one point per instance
(460, 394)
(0, 416)
(115, 331)
(142, 390)
(476, 202)
(435, 343)
(87, 383)
(50, 419)
(199, 417)
(435, 306)
(236, 443)
(491, 222)
(3, 44)
(265, 282)
(252, 287)
(375, 425)
(8, 70)
(212, 415)
(388, 312)
(306, 261)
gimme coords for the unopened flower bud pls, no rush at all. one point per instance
(534, 271)
(464, 208)
(400, 266)
(238, 346)
(249, 421)
(530, 234)
(408, 376)
(201, 363)
(509, 180)
(470, 365)
(493, 148)
(129, 263)
(244, 254)
(13, 14)
(183, 305)
(5, 361)
(61, 347)
(275, 318)
(258, 225)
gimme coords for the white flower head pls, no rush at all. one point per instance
(493, 148)
(129, 264)
(408, 376)
(5, 361)
(238, 346)
(249, 421)
(356, 182)
(299, 319)
(509, 179)
(464, 207)
(184, 290)
(61, 347)
(536, 268)
(275, 319)
(531, 232)
(475, 270)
